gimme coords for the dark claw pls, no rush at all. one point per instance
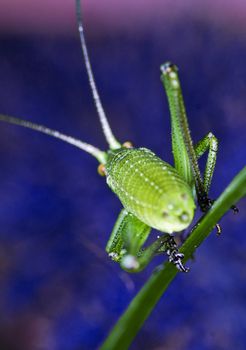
(219, 230)
(205, 204)
(182, 268)
(180, 255)
(235, 209)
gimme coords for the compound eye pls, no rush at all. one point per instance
(101, 170)
(127, 144)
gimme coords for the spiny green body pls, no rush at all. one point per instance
(150, 189)
(153, 193)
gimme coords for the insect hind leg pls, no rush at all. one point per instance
(210, 143)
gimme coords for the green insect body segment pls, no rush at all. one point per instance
(150, 189)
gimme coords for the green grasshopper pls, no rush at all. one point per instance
(153, 193)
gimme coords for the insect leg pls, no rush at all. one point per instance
(115, 243)
(174, 256)
(126, 240)
(182, 145)
(164, 244)
(210, 143)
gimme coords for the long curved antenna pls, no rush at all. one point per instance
(95, 152)
(113, 143)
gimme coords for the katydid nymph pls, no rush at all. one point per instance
(153, 193)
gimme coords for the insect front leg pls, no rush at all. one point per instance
(115, 246)
(126, 240)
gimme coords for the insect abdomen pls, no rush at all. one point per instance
(149, 188)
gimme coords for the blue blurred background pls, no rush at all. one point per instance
(59, 291)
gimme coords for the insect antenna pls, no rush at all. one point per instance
(95, 152)
(113, 143)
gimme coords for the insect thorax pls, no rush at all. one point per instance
(150, 188)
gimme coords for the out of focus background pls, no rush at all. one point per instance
(59, 291)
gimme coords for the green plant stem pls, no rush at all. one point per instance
(141, 306)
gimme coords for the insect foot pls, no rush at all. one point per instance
(235, 209)
(219, 229)
(114, 256)
(175, 257)
(206, 203)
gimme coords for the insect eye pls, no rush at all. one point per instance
(127, 144)
(101, 170)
